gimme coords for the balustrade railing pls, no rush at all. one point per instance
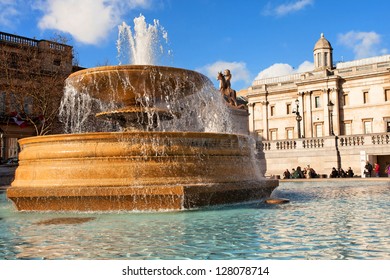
(263, 146)
(15, 39)
(381, 139)
(345, 141)
(286, 145)
(351, 141)
(6, 37)
(313, 143)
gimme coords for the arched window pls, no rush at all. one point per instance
(326, 59)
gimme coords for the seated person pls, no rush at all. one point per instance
(334, 173)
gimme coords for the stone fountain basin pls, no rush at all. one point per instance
(137, 84)
(135, 171)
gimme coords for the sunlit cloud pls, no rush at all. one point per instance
(283, 69)
(287, 8)
(363, 44)
(88, 21)
(238, 69)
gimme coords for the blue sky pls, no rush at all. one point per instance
(251, 38)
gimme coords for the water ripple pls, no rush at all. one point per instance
(348, 222)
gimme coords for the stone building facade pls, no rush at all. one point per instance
(334, 116)
(24, 61)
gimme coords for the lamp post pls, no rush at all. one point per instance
(1, 144)
(298, 118)
(330, 109)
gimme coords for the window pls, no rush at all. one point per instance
(387, 94)
(367, 126)
(319, 60)
(326, 59)
(317, 102)
(27, 104)
(345, 100)
(288, 108)
(386, 120)
(12, 147)
(318, 129)
(273, 134)
(272, 111)
(365, 97)
(348, 128)
(13, 102)
(289, 133)
(2, 103)
(14, 61)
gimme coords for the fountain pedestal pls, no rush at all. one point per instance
(136, 170)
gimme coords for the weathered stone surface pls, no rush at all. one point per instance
(135, 171)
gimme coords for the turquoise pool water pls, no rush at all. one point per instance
(325, 221)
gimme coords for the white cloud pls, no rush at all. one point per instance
(287, 8)
(8, 12)
(88, 21)
(238, 70)
(283, 69)
(363, 44)
(305, 66)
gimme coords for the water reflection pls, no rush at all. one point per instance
(64, 221)
(319, 223)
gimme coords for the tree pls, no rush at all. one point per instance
(32, 76)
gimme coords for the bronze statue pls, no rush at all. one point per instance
(228, 93)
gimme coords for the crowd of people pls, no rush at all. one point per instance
(309, 172)
(340, 173)
(371, 171)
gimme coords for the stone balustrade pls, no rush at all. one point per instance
(324, 153)
(313, 143)
(381, 139)
(351, 141)
(14, 39)
(24, 41)
(286, 145)
(326, 142)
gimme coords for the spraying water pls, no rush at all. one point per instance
(145, 45)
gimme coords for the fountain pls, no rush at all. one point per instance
(142, 137)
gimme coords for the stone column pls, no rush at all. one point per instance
(308, 108)
(251, 118)
(301, 112)
(336, 116)
(325, 97)
(265, 119)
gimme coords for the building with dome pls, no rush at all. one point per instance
(334, 116)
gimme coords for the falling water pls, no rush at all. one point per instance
(78, 109)
(204, 111)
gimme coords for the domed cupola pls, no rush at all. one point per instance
(323, 54)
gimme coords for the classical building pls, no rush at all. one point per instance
(30, 70)
(334, 116)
